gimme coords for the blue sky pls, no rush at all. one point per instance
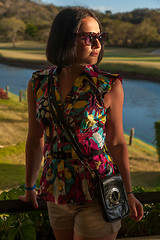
(112, 5)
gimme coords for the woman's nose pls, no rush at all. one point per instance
(96, 44)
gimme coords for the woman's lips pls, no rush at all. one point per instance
(94, 54)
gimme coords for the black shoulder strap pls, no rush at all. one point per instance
(100, 91)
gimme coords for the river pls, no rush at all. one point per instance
(141, 100)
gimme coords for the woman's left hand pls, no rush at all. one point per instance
(136, 208)
(30, 196)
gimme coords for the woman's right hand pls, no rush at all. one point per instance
(30, 196)
(136, 208)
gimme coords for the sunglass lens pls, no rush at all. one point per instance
(88, 40)
(102, 38)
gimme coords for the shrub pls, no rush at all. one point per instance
(34, 225)
(157, 129)
(30, 225)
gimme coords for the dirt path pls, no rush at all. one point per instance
(157, 52)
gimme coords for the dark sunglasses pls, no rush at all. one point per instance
(90, 37)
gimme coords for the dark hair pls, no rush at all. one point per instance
(61, 46)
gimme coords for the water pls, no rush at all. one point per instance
(141, 108)
(14, 77)
(141, 102)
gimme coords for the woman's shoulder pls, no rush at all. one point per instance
(39, 78)
(94, 71)
(102, 79)
(111, 76)
(39, 74)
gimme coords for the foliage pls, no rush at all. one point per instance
(31, 29)
(139, 28)
(157, 129)
(12, 28)
(26, 225)
(35, 224)
(149, 225)
(10, 150)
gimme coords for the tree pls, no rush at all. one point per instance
(31, 29)
(118, 31)
(145, 34)
(12, 28)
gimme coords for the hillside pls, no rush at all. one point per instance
(142, 63)
(144, 165)
(31, 20)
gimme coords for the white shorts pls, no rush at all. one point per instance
(86, 220)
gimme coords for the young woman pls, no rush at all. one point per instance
(75, 47)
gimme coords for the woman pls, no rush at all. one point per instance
(75, 47)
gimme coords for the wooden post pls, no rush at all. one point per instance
(131, 136)
(7, 90)
(20, 95)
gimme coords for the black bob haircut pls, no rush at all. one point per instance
(61, 46)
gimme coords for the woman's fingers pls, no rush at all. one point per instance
(35, 203)
(136, 209)
(30, 196)
(139, 211)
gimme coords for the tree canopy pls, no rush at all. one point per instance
(32, 19)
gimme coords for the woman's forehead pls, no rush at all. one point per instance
(89, 24)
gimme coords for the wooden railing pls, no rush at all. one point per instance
(7, 206)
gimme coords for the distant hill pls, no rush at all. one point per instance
(139, 28)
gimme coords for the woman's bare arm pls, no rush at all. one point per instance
(34, 148)
(116, 143)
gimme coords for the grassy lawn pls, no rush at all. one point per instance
(144, 165)
(124, 60)
(13, 129)
(26, 50)
(145, 168)
(138, 63)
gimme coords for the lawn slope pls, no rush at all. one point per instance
(144, 165)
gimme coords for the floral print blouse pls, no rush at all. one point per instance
(64, 179)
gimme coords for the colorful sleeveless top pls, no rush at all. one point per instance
(64, 179)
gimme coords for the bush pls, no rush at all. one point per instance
(35, 224)
(157, 129)
(149, 225)
(30, 225)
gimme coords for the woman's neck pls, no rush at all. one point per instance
(66, 79)
(69, 74)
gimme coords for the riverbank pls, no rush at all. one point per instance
(141, 64)
(24, 63)
(144, 164)
(122, 69)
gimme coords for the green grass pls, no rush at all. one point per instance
(144, 165)
(11, 175)
(13, 129)
(135, 63)
(25, 51)
(134, 71)
(12, 150)
(142, 61)
(129, 52)
(24, 46)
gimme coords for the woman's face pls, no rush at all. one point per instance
(88, 54)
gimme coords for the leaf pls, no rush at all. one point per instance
(13, 193)
(4, 196)
(12, 233)
(27, 230)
